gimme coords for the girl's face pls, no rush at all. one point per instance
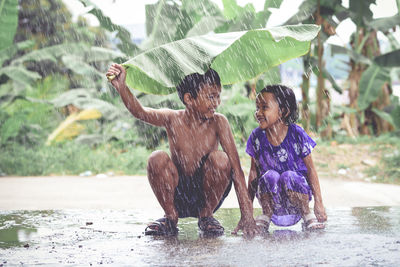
(267, 110)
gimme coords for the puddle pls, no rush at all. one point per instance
(356, 236)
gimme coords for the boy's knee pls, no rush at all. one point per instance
(158, 160)
(219, 161)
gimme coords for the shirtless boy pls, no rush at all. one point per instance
(196, 178)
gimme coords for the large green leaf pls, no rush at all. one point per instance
(168, 21)
(233, 10)
(206, 25)
(391, 59)
(372, 80)
(126, 45)
(384, 115)
(8, 22)
(20, 74)
(395, 114)
(360, 11)
(8, 52)
(53, 52)
(272, 76)
(306, 9)
(328, 8)
(357, 57)
(236, 56)
(77, 65)
(101, 54)
(385, 24)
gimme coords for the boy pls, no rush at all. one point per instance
(196, 178)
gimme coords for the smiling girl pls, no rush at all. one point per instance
(282, 174)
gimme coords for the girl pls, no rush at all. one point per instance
(282, 173)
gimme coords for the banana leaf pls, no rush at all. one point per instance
(236, 56)
(8, 22)
(371, 82)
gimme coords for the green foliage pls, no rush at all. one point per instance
(86, 99)
(126, 45)
(8, 22)
(384, 24)
(168, 21)
(72, 159)
(49, 22)
(25, 123)
(389, 60)
(328, 8)
(360, 12)
(371, 84)
(235, 56)
(389, 171)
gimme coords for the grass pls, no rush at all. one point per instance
(72, 159)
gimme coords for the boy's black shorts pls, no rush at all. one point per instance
(189, 196)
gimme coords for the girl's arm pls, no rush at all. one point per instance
(313, 181)
(251, 187)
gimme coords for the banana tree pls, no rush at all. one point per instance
(168, 21)
(324, 13)
(126, 45)
(368, 81)
(8, 22)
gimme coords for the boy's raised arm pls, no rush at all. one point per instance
(157, 117)
(246, 223)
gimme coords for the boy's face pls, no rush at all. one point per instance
(267, 110)
(207, 101)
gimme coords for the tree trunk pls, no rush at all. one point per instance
(369, 122)
(323, 99)
(305, 112)
(354, 79)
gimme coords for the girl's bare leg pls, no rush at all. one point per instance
(217, 175)
(163, 177)
(265, 201)
(299, 200)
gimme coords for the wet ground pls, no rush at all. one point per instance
(353, 237)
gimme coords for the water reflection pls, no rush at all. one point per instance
(358, 236)
(375, 219)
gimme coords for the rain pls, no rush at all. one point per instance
(212, 133)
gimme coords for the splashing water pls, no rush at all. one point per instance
(357, 236)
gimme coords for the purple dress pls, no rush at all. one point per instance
(281, 168)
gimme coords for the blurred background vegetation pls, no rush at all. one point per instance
(59, 115)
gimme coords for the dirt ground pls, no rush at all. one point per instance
(347, 161)
(134, 192)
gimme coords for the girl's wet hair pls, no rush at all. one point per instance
(286, 100)
(192, 83)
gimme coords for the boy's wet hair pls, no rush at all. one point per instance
(286, 100)
(191, 83)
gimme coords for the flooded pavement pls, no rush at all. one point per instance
(353, 237)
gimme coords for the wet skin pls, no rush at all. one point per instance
(193, 133)
(270, 118)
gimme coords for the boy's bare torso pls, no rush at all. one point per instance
(190, 141)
